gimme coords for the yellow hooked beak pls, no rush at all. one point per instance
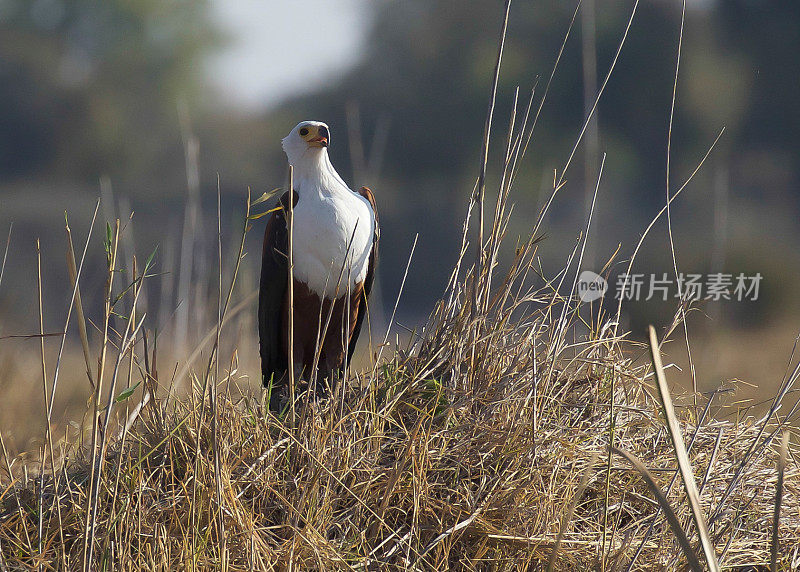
(315, 135)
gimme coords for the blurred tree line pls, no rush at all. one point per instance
(91, 89)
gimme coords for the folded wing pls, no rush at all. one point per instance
(272, 293)
(370, 278)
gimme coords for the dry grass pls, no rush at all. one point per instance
(450, 456)
(518, 429)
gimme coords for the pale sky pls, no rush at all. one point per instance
(281, 47)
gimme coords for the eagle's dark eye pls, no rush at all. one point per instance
(303, 132)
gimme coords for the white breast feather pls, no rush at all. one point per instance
(325, 217)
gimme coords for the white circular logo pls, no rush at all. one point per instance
(591, 286)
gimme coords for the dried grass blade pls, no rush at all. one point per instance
(487, 135)
(682, 456)
(396, 303)
(776, 515)
(587, 473)
(73, 299)
(672, 518)
(5, 253)
(290, 294)
(73, 276)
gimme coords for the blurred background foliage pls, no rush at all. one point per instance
(90, 87)
(93, 90)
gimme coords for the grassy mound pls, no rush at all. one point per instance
(472, 451)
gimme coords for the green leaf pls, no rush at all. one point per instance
(107, 244)
(266, 196)
(259, 215)
(150, 259)
(127, 393)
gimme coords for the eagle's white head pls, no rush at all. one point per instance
(307, 144)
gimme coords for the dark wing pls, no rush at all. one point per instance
(272, 291)
(370, 278)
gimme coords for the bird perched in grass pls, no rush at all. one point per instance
(334, 249)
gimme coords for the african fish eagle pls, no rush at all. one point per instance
(335, 249)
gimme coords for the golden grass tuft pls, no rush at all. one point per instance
(446, 458)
